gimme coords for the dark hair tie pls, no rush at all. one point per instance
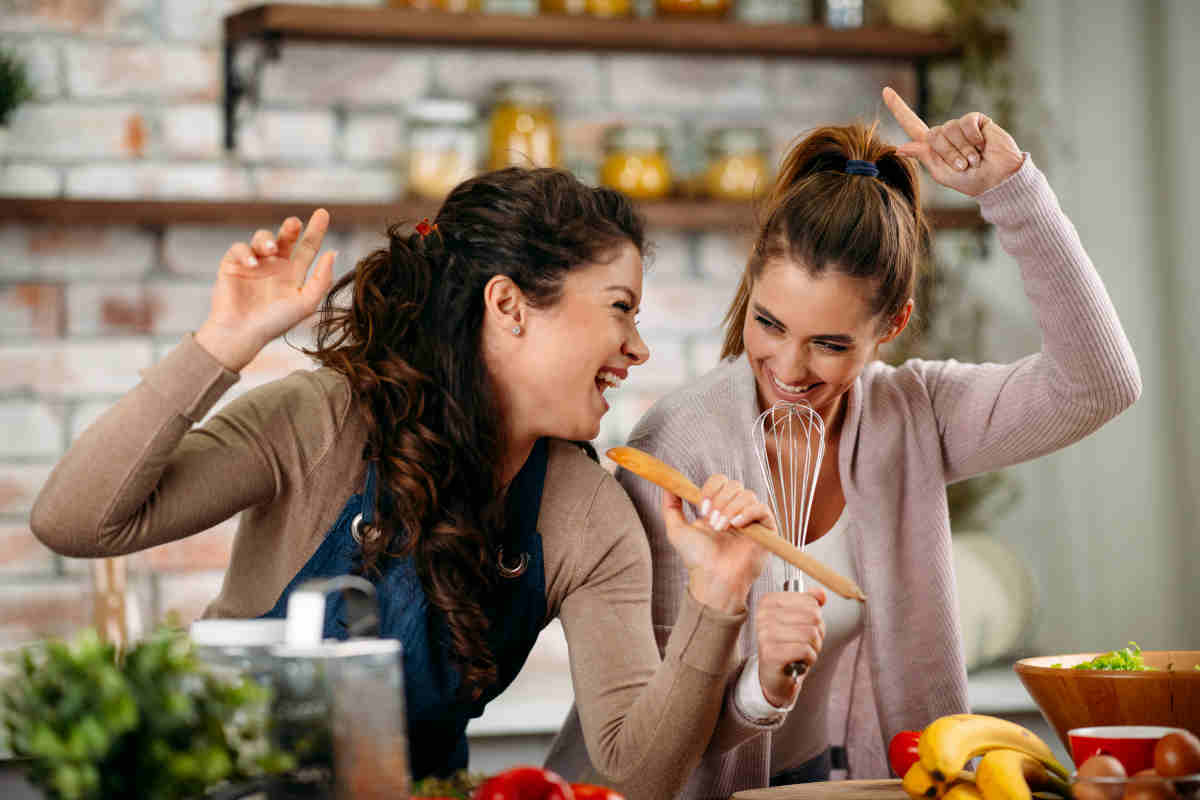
(856, 167)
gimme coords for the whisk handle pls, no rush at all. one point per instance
(796, 668)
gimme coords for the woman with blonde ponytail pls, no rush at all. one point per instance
(436, 451)
(830, 278)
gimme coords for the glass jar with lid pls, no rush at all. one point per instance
(562, 6)
(524, 128)
(737, 163)
(635, 161)
(443, 145)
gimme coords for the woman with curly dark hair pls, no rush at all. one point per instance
(435, 451)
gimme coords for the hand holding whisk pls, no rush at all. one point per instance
(789, 440)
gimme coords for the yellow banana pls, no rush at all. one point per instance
(1005, 774)
(949, 742)
(962, 790)
(920, 785)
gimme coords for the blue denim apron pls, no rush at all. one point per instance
(437, 716)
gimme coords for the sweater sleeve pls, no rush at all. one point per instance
(670, 577)
(641, 717)
(992, 415)
(143, 475)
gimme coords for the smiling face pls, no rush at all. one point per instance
(553, 375)
(808, 337)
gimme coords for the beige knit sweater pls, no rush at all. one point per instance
(288, 456)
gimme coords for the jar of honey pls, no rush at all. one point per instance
(635, 161)
(524, 129)
(737, 163)
(693, 8)
(610, 8)
(443, 145)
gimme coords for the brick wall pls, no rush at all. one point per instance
(128, 106)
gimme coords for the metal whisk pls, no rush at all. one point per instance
(784, 439)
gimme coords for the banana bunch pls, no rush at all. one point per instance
(1015, 763)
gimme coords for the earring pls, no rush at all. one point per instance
(516, 330)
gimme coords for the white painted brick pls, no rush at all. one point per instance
(671, 254)
(667, 365)
(722, 258)
(30, 180)
(286, 136)
(59, 369)
(704, 353)
(128, 19)
(174, 180)
(198, 20)
(193, 131)
(186, 594)
(682, 306)
(177, 307)
(688, 83)
(21, 553)
(19, 486)
(28, 429)
(41, 64)
(328, 185)
(74, 131)
(36, 609)
(196, 250)
(97, 69)
(837, 91)
(315, 75)
(66, 252)
(577, 77)
(31, 310)
(376, 138)
(158, 308)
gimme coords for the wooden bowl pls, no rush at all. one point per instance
(1079, 698)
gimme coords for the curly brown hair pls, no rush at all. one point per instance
(408, 340)
(818, 216)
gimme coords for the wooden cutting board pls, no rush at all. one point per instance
(832, 790)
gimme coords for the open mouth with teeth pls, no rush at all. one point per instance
(606, 379)
(788, 388)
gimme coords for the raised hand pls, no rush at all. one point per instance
(970, 154)
(789, 628)
(721, 564)
(261, 291)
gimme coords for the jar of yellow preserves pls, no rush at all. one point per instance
(610, 8)
(443, 145)
(523, 130)
(737, 163)
(635, 161)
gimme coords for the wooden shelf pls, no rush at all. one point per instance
(365, 24)
(681, 215)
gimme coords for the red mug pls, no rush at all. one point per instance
(1132, 745)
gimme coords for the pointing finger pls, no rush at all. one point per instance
(909, 121)
(306, 249)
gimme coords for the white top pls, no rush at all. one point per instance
(803, 734)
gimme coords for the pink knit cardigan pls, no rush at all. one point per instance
(908, 432)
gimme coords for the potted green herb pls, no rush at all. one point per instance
(15, 89)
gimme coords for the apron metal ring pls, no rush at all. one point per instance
(514, 571)
(356, 528)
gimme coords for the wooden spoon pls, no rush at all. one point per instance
(647, 466)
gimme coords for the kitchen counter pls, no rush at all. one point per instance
(834, 790)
